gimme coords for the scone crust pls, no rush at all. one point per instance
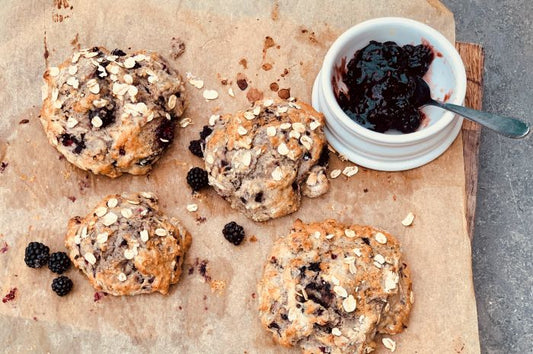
(126, 246)
(263, 159)
(311, 275)
(112, 114)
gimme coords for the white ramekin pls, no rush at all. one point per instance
(393, 151)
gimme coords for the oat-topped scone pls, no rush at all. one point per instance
(126, 246)
(330, 288)
(263, 159)
(112, 113)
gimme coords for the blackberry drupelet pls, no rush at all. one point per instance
(62, 285)
(59, 262)
(195, 146)
(36, 255)
(206, 131)
(197, 178)
(234, 233)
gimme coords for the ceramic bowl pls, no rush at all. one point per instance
(393, 150)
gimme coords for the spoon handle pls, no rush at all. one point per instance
(510, 127)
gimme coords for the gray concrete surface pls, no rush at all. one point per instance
(503, 241)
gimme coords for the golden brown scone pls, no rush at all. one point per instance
(330, 288)
(126, 246)
(112, 113)
(263, 159)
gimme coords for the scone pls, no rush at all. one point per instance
(112, 113)
(263, 159)
(330, 288)
(126, 246)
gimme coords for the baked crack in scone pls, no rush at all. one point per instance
(112, 113)
(126, 246)
(263, 159)
(330, 288)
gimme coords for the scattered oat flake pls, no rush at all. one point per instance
(411, 297)
(408, 219)
(185, 122)
(389, 344)
(54, 71)
(199, 84)
(335, 173)
(268, 103)
(210, 94)
(350, 171)
(192, 207)
(230, 92)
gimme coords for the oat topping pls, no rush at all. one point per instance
(277, 174)
(89, 257)
(161, 232)
(350, 171)
(271, 131)
(339, 290)
(349, 233)
(122, 277)
(380, 238)
(100, 211)
(126, 212)
(102, 238)
(349, 304)
(336, 332)
(53, 71)
(144, 235)
(113, 202)
(109, 219)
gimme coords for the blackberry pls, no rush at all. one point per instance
(62, 285)
(195, 146)
(206, 131)
(36, 255)
(234, 233)
(58, 262)
(197, 178)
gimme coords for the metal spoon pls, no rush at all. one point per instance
(510, 127)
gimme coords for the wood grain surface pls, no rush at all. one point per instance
(473, 57)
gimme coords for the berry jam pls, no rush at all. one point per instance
(381, 82)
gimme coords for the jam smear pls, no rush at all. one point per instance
(381, 82)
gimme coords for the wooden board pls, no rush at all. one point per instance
(473, 57)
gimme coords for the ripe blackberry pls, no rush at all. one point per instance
(195, 146)
(233, 232)
(197, 178)
(206, 131)
(59, 262)
(62, 285)
(36, 255)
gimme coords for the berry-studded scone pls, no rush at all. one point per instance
(112, 113)
(126, 246)
(263, 159)
(330, 288)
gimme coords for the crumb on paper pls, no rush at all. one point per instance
(269, 43)
(274, 14)
(200, 220)
(284, 93)
(4, 248)
(252, 238)
(218, 286)
(177, 48)
(274, 87)
(242, 81)
(285, 72)
(98, 296)
(24, 121)
(244, 63)
(254, 95)
(266, 66)
(3, 166)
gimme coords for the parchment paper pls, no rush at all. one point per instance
(39, 191)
